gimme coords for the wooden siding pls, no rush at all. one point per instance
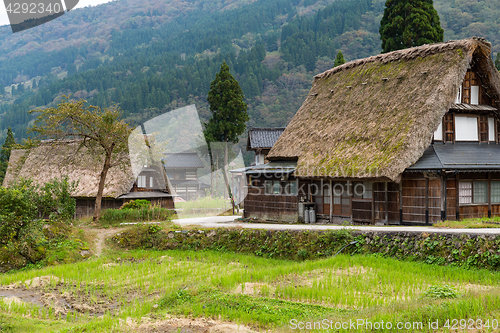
(270, 206)
(421, 195)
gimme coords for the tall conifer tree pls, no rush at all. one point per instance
(408, 23)
(5, 153)
(229, 113)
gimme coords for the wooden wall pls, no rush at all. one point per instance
(421, 197)
(270, 206)
(86, 206)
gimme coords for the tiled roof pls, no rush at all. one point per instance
(459, 156)
(183, 160)
(263, 138)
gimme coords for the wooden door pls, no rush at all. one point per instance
(341, 199)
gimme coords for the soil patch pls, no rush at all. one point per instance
(52, 292)
(184, 325)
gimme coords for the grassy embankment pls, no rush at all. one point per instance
(148, 286)
(493, 222)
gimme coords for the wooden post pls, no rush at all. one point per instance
(331, 201)
(489, 195)
(373, 202)
(457, 196)
(401, 202)
(426, 200)
(443, 197)
(386, 190)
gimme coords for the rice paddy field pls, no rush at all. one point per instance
(185, 291)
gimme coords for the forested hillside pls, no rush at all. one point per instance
(150, 56)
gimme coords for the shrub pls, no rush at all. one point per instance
(21, 228)
(441, 292)
(154, 213)
(136, 204)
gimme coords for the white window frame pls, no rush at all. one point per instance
(141, 181)
(474, 95)
(491, 129)
(466, 128)
(438, 134)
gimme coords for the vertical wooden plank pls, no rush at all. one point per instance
(331, 201)
(386, 194)
(401, 201)
(443, 197)
(457, 196)
(489, 195)
(426, 200)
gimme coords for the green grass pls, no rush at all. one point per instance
(472, 223)
(207, 206)
(113, 217)
(261, 293)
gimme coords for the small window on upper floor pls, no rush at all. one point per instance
(459, 95)
(491, 129)
(466, 128)
(438, 134)
(474, 95)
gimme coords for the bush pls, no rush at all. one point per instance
(136, 204)
(21, 228)
(155, 213)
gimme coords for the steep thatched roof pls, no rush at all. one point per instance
(374, 117)
(53, 159)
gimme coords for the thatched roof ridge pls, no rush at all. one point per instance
(56, 159)
(374, 117)
(410, 53)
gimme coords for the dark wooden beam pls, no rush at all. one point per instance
(457, 196)
(426, 200)
(401, 202)
(489, 195)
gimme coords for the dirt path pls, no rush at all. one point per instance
(100, 236)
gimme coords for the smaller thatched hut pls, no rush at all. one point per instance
(56, 159)
(411, 136)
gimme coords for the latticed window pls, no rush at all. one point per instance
(480, 192)
(495, 191)
(465, 192)
(473, 192)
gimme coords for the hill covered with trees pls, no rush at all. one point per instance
(150, 57)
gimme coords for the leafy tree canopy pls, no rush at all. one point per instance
(339, 60)
(497, 61)
(229, 110)
(101, 131)
(408, 23)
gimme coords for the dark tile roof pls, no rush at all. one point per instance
(145, 195)
(182, 160)
(263, 138)
(459, 156)
(472, 107)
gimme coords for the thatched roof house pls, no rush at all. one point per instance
(411, 136)
(52, 159)
(56, 159)
(376, 116)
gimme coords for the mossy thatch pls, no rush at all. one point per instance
(56, 159)
(374, 117)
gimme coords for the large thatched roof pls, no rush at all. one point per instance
(375, 117)
(53, 159)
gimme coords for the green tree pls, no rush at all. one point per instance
(408, 23)
(497, 61)
(229, 113)
(339, 59)
(101, 131)
(5, 153)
